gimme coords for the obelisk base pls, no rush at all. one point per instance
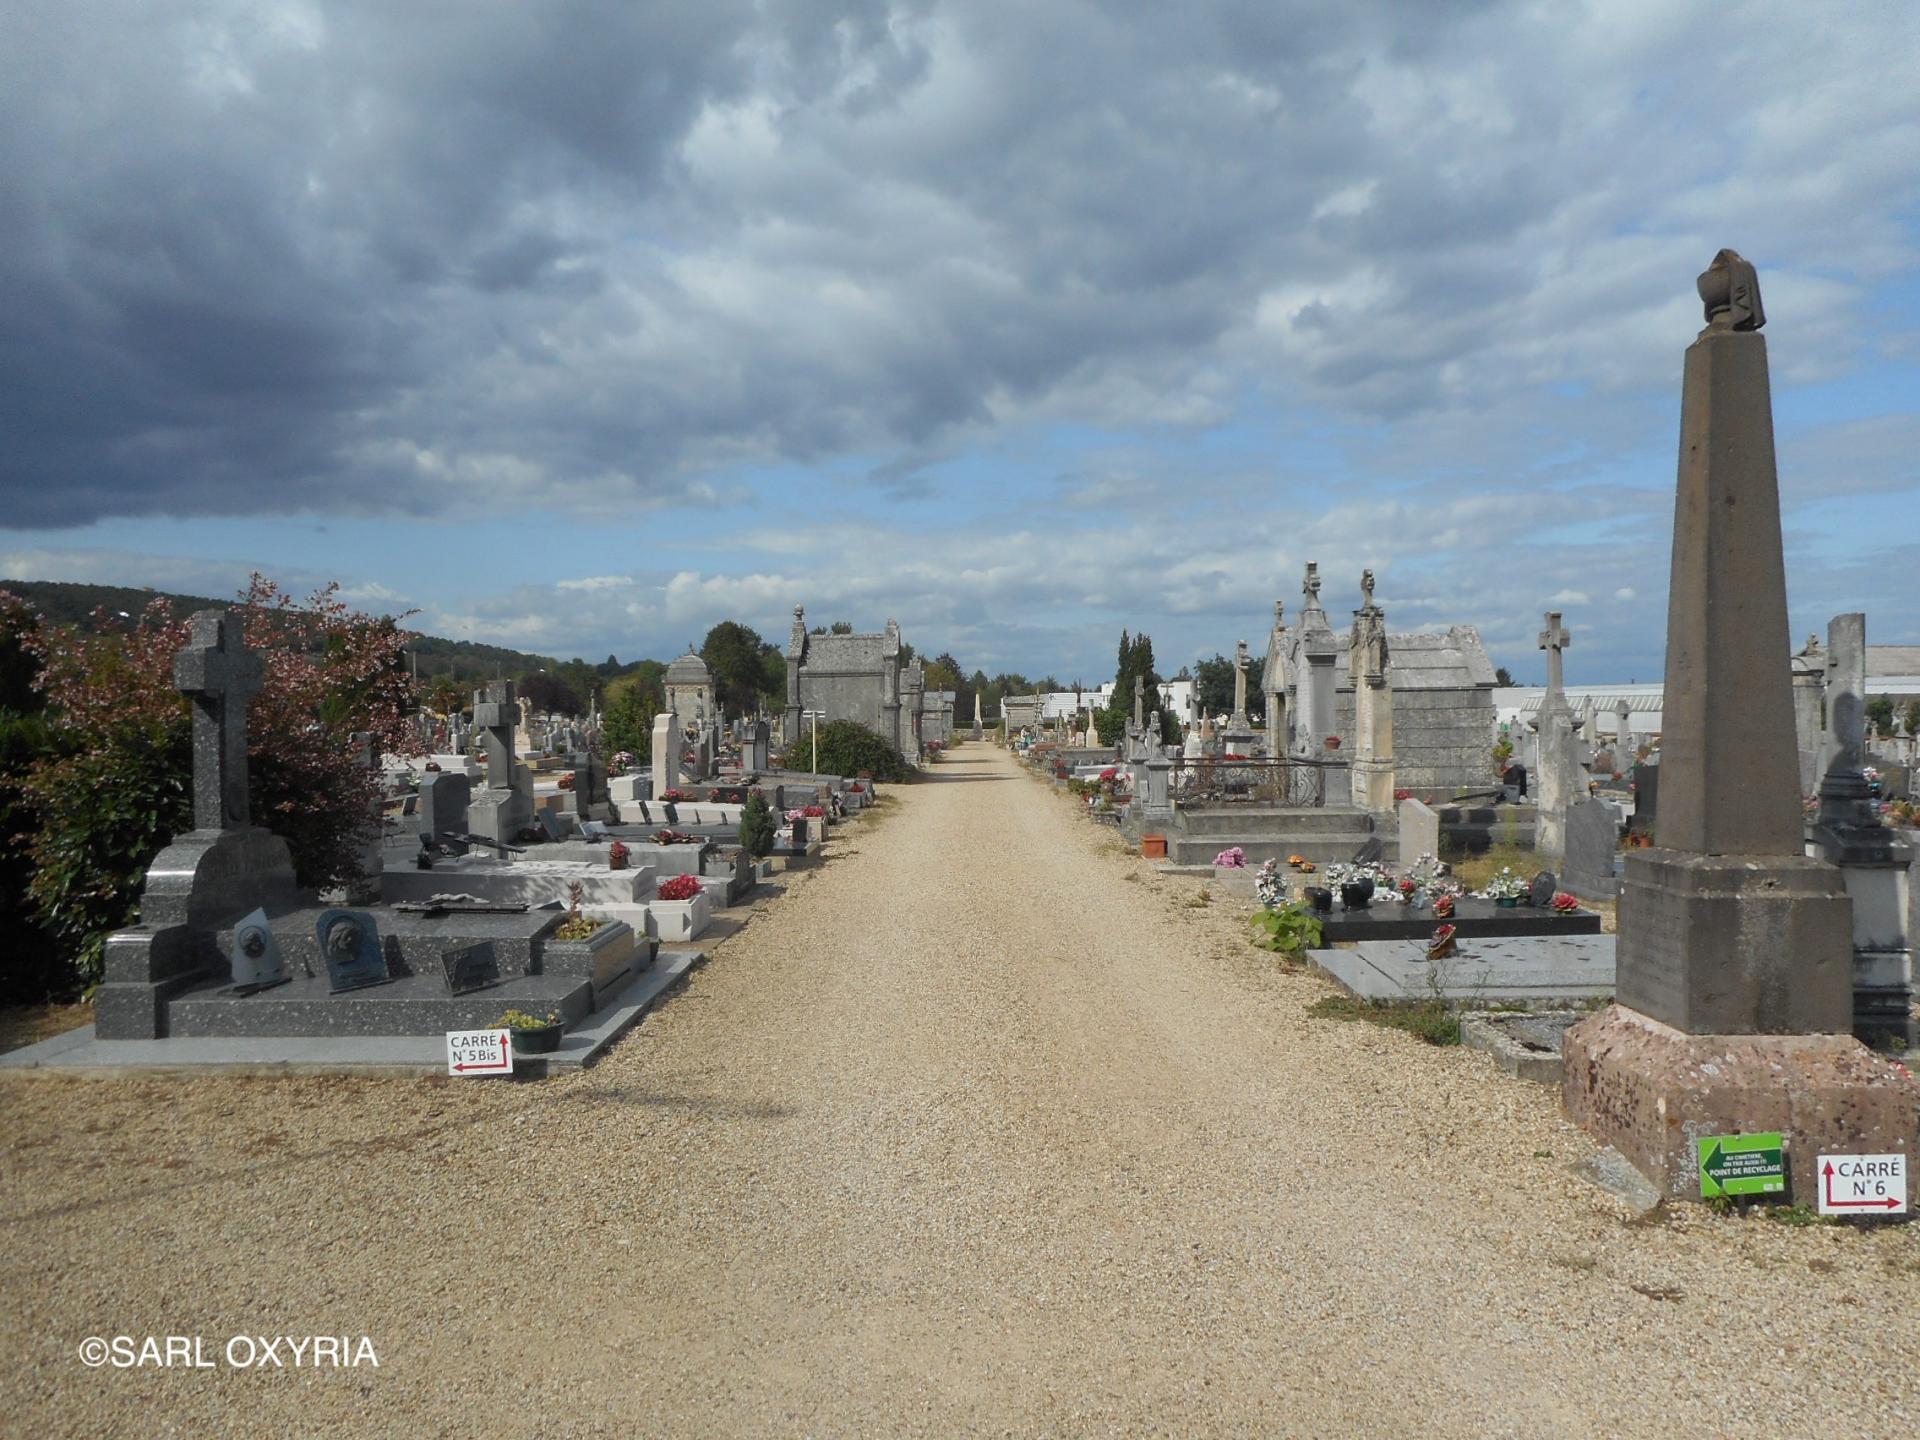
(1651, 1092)
(1736, 944)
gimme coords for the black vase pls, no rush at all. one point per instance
(1319, 898)
(1355, 894)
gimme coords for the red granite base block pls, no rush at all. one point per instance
(1651, 1091)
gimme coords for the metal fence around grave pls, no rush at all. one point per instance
(1286, 784)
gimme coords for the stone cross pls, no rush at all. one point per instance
(1240, 663)
(1139, 701)
(1622, 735)
(220, 674)
(1311, 587)
(1553, 640)
(496, 714)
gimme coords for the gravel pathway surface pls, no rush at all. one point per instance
(981, 1128)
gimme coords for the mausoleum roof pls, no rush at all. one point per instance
(689, 669)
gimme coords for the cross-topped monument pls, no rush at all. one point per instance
(221, 675)
(1554, 640)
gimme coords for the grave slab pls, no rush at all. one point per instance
(1473, 919)
(1543, 970)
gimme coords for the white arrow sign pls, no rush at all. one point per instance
(1863, 1184)
(479, 1052)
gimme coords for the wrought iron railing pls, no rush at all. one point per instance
(1296, 784)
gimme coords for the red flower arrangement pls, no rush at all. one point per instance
(814, 812)
(1563, 903)
(674, 837)
(1109, 775)
(617, 856)
(679, 887)
(1443, 907)
(1407, 887)
(673, 795)
(1333, 742)
(566, 780)
(1403, 794)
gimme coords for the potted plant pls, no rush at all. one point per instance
(531, 1034)
(1505, 889)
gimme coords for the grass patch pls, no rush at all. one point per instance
(1475, 871)
(1428, 1020)
(1796, 1215)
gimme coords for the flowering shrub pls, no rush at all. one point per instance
(1233, 858)
(679, 887)
(116, 786)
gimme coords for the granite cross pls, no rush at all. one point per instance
(1553, 640)
(220, 674)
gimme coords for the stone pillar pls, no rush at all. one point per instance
(1367, 663)
(1623, 745)
(755, 759)
(1734, 952)
(1557, 780)
(666, 754)
(1156, 792)
(1874, 865)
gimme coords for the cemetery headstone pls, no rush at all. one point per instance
(350, 944)
(257, 961)
(224, 867)
(1592, 844)
(1419, 830)
(1541, 890)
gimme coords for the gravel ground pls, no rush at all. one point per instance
(980, 1129)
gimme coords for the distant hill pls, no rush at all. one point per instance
(70, 604)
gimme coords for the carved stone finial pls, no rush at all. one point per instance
(1366, 587)
(1730, 291)
(1311, 588)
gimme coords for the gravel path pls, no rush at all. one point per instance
(980, 1129)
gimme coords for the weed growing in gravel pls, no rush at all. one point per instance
(1801, 1214)
(1428, 1020)
(1201, 900)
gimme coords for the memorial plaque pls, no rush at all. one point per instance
(350, 941)
(1541, 891)
(473, 967)
(257, 961)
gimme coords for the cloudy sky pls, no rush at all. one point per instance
(580, 326)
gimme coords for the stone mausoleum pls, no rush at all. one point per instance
(848, 677)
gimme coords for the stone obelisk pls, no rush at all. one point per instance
(1734, 955)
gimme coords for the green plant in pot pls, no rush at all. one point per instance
(531, 1034)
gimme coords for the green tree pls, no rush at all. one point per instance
(628, 723)
(1880, 714)
(756, 826)
(548, 690)
(1913, 717)
(736, 656)
(1213, 685)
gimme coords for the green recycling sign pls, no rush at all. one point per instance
(1742, 1165)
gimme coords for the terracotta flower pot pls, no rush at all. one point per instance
(1153, 847)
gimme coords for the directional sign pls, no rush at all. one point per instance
(479, 1052)
(1742, 1165)
(1863, 1184)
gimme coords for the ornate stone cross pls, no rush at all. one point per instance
(1139, 701)
(1240, 663)
(217, 670)
(1553, 640)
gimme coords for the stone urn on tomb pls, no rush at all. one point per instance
(1357, 894)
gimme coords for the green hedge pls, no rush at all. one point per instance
(846, 748)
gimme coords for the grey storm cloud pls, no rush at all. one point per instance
(266, 257)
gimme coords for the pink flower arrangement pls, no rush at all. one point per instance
(1233, 858)
(678, 887)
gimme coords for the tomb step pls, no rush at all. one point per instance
(410, 1005)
